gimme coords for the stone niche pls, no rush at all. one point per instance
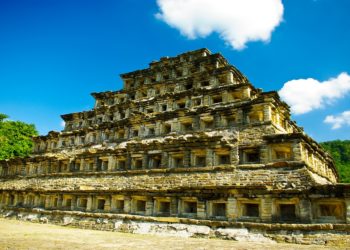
(162, 206)
(176, 160)
(249, 155)
(249, 209)
(281, 151)
(329, 210)
(118, 204)
(138, 205)
(286, 210)
(217, 209)
(188, 207)
(82, 203)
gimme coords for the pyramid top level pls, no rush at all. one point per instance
(189, 56)
(197, 65)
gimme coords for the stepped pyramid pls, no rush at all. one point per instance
(188, 137)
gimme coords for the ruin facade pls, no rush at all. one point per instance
(188, 137)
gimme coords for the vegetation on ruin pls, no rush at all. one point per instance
(15, 138)
(340, 151)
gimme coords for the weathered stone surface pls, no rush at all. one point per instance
(241, 234)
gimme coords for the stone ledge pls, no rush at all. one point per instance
(319, 234)
(210, 223)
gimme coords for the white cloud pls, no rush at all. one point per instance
(62, 124)
(338, 121)
(305, 95)
(236, 21)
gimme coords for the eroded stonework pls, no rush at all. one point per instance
(188, 137)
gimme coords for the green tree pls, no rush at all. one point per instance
(15, 138)
(340, 151)
(3, 117)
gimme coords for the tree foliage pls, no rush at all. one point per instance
(15, 138)
(3, 117)
(340, 151)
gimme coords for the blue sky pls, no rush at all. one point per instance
(54, 53)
